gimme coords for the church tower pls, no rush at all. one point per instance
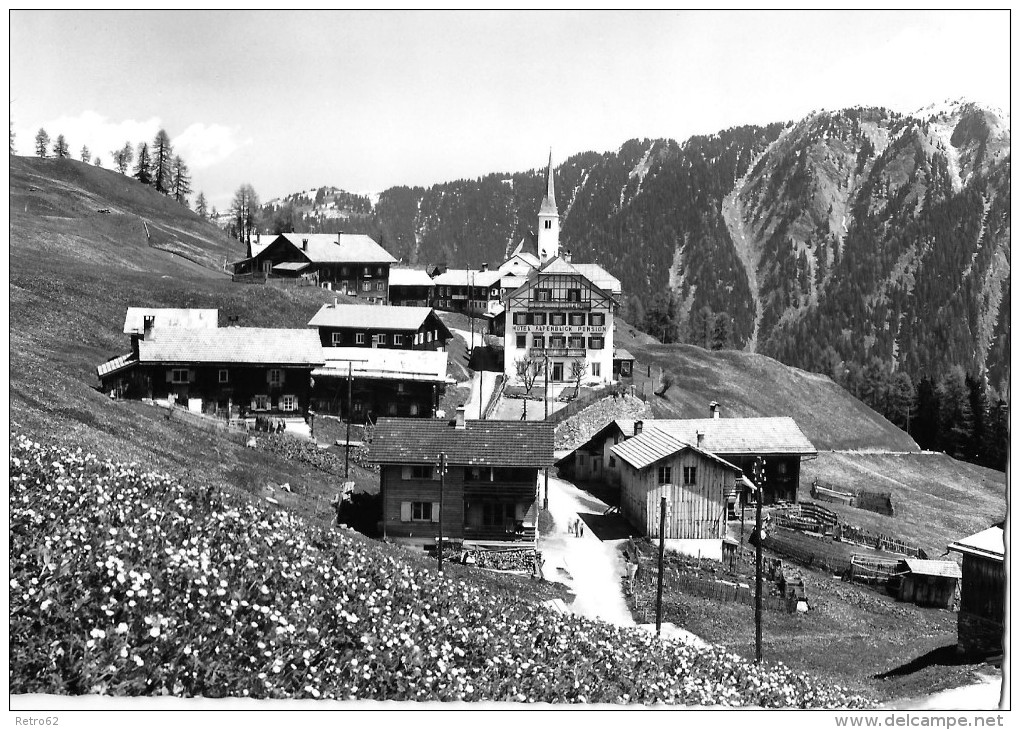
(548, 220)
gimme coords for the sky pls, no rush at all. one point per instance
(288, 101)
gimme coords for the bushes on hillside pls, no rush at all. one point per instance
(128, 582)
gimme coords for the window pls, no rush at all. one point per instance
(224, 376)
(781, 467)
(288, 403)
(557, 319)
(338, 338)
(596, 369)
(548, 225)
(398, 339)
(543, 295)
(690, 475)
(367, 271)
(573, 295)
(665, 474)
(538, 318)
(494, 292)
(558, 343)
(380, 339)
(577, 320)
(179, 375)
(358, 406)
(413, 410)
(522, 341)
(538, 342)
(580, 459)
(428, 337)
(520, 318)
(380, 285)
(576, 343)
(477, 474)
(378, 271)
(421, 511)
(596, 343)
(343, 271)
(276, 377)
(391, 409)
(359, 338)
(495, 514)
(260, 403)
(366, 286)
(597, 320)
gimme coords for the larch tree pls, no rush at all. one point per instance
(61, 148)
(161, 170)
(180, 180)
(42, 143)
(242, 211)
(201, 207)
(122, 158)
(86, 155)
(143, 164)
(98, 161)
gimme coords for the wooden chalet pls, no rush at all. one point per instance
(352, 264)
(593, 461)
(695, 483)
(383, 382)
(238, 372)
(981, 620)
(475, 293)
(411, 288)
(362, 325)
(490, 488)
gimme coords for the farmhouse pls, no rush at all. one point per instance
(475, 293)
(778, 440)
(696, 484)
(380, 382)
(363, 325)
(489, 492)
(980, 622)
(352, 264)
(411, 288)
(231, 371)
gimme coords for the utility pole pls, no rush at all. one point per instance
(759, 473)
(481, 390)
(350, 411)
(662, 551)
(442, 484)
(545, 395)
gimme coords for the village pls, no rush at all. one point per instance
(510, 430)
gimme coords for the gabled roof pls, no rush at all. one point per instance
(528, 247)
(600, 277)
(624, 425)
(985, 544)
(776, 435)
(468, 277)
(232, 345)
(134, 321)
(620, 354)
(652, 446)
(382, 364)
(938, 568)
(370, 316)
(410, 277)
(339, 248)
(481, 443)
(558, 265)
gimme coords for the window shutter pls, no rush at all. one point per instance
(405, 472)
(269, 376)
(283, 376)
(169, 376)
(435, 511)
(405, 511)
(191, 376)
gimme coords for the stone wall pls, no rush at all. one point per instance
(579, 428)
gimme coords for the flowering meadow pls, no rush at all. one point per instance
(128, 582)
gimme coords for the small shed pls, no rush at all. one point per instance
(928, 582)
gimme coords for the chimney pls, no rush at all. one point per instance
(258, 237)
(713, 409)
(336, 302)
(148, 321)
(701, 438)
(460, 417)
(304, 244)
(485, 266)
(566, 256)
(338, 235)
(638, 425)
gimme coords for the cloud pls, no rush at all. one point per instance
(203, 145)
(92, 129)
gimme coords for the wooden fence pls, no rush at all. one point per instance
(877, 541)
(494, 396)
(675, 584)
(879, 502)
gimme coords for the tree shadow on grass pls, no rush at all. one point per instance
(943, 656)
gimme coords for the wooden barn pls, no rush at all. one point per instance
(927, 582)
(491, 485)
(410, 288)
(695, 483)
(980, 623)
(366, 325)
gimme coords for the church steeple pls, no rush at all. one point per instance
(549, 219)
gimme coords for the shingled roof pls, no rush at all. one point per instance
(652, 446)
(236, 345)
(777, 435)
(339, 248)
(134, 320)
(479, 443)
(985, 544)
(410, 277)
(371, 316)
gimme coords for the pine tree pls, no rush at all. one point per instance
(181, 181)
(956, 420)
(60, 148)
(86, 155)
(722, 330)
(143, 165)
(201, 206)
(900, 404)
(978, 400)
(42, 143)
(161, 170)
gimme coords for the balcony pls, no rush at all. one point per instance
(558, 304)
